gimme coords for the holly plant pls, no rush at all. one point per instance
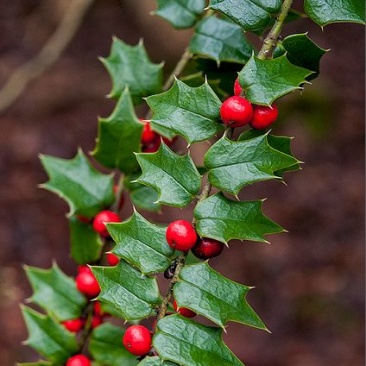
(223, 90)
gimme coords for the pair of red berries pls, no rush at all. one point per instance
(181, 235)
(151, 140)
(237, 111)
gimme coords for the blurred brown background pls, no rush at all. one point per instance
(309, 282)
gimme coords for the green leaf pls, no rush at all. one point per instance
(39, 363)
(106, 346)
(302, 51)
(190, 112)
(280, 143)
(188, 343)
(223, 219)
(48, 337)
(142, 244)
(119, 136)
(55, 292)
(253, 15)
(221, 40)
(175, 177)
(142, 197)
(180, 13)
(85, 189)
(264, 81)
(235, 164)
(131, 293)
(210, 294)
(325, 12)
(86, 244)
(124, 65)
(155, 361)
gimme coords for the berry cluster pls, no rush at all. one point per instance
(151, 140)
(236, 111)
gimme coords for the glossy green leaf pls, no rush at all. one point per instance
(132, 294)
(280, 143)
(119, 136)
(84, 188)
(173, 176)
(55, 292)
(124, 65)
(302, 51)
(234, 164)
(264, 81)
(106, 346)
(220, 218)
(155, 361)
(324, 12)
(214, 296)
(48, 337)
(142, 244)
(193, 113)
(253, 15)
(188, 343)
(221, 40)
(180, 13)
(86, 244)
(142, 197)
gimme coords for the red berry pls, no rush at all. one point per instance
(97, 308)
(207, 248)
(137, 340)
(237, 88)
(73, 325)
(148, 135)
(96, 320)
(188, 313)
(101, 219)
(181, 235)
(236, 111)
(78, 360)
(84, 268)
(169, 142)
(152, 146)
(83, 219)
(263, 116)
(87, 284)
(112, 259)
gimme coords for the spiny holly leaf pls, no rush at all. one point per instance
(155, 361)
(249, 14)
(85, 189)
(302, 51)
(223, 219)
(180, 13)
(132, 294)
(142, 244)
(142, 197)
(106, 346)
(86, 244)
(119, 136)
(124, 65)
(280, 143)
(324, 12)
(175, 177)
(235, 164)
(48, 337)
(214, 296)
(55, 292)
(264, 81)
(190, 112)
(189, 343)
(221, 40)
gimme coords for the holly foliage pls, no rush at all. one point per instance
(143, 162)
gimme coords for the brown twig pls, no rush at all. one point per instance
(47, 56)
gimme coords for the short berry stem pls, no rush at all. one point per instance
(271, 40)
